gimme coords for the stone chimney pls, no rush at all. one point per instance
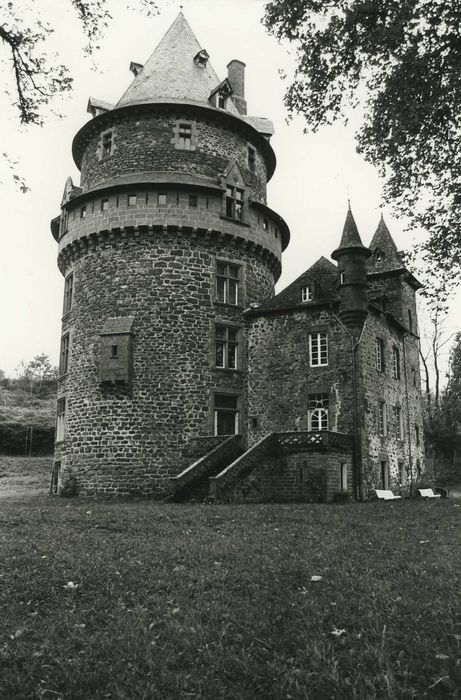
(236, 77)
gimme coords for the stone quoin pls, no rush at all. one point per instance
(181, 373)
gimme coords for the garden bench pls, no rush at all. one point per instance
(428, 493)
(384, 495)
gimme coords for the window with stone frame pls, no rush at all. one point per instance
(343, 477)
(64, 221)
(306, 293)
(382, 419)
(226, 346)
(379, 354)
(398, 421)
(64, 355)
(107, 143)
(228, 283)
(318, 349)
(61, 420)
(395, 363)
(68, 293)
(251, 159)
(222, 100)
(226, 414)
(234, 202)
(318, 411)
(104, 204)
(131, 200)
(184, 136)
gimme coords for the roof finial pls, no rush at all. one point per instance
(349, 204)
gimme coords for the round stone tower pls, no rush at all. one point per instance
(163, 246)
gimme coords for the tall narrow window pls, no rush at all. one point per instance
(83, 212)
(342, 277)
(222, 100)
(306, 293)
(106, 144)
(318, 349)
(379, 354)
(384, 475)
(382, 419)
(61, 420)
(64, 355)
(318, 411)
(68, 293)
(410, 320)
(193, 201)
(417, 438)
(185, 136)
(226, 414)
(226, 340)
(343, 476)
(251, 159)
(395, 363)
(234, 202)
(228, 283)
(398, 422)
(403, 474)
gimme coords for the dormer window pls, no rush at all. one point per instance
(201, 58)
(378, 254)
(306, 293)
(234, 202)
(222, 99)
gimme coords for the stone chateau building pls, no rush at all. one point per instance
(181, 372)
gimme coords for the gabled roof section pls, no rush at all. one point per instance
(385, 256)
(350, 239)
(322, 277)
(172, 73)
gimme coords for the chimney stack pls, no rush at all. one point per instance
(236, 77)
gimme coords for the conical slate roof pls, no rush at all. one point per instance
(172, 74)
(322, 277)
(350, 238)
(385, 256)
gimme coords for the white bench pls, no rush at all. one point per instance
(386, 495)
(428, 493)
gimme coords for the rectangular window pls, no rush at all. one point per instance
(226, 347)
(65, 221)
(193, 201)
(68, 293)
(265, 224)
(398, 422)
(318, 349)
(228, 283)
(343, 477)
(384, 484)
(161, 198)
(318, 406)
(106, 144)
(64, 356)
(114, 351)
(410, 320)
(185, 136)
(379, 355)
(417, 434)
(234, 202)
(104, 204)
(342, 277)
(382, 419)
(221, 100)
(131, 200)
(395, 363)
(306, 293)
(61, 420)
(226, 414)
(251, 159)
(83, 212)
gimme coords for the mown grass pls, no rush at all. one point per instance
(173, 601)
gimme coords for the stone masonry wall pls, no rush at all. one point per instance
(123, 439)
(144, 142)
(280, 376)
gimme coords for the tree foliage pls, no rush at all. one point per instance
(36, 74)
(400, 62)
(37, 371)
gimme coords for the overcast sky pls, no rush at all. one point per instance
(315, 175)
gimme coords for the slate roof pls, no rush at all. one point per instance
(322, 276)
(385, 256)
(350, 237)
(172, 73)
(118, 325)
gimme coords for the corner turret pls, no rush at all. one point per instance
(351, 256)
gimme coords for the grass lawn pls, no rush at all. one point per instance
(143, 600)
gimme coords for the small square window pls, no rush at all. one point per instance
(193, 201)
(104, 204)
(161, 198)
(131, 200)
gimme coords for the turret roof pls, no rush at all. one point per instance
(385, 256)
(350, 238)
(172, 73)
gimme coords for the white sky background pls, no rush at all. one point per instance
(315, 175)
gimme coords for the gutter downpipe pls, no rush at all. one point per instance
(357, 432)
(408, 412)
